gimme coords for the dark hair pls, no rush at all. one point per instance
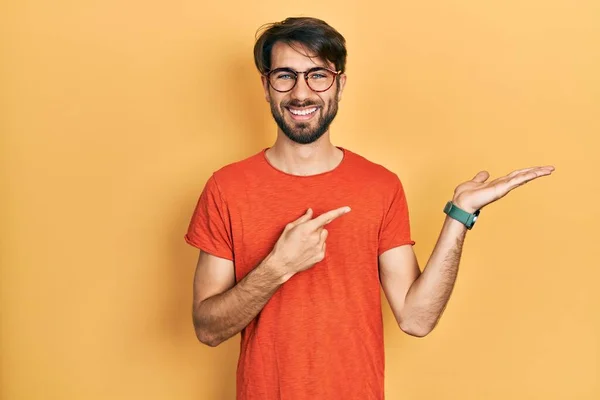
(316, 35)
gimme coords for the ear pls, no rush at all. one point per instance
(265, 84)
(342, 83)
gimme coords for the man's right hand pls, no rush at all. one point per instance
(302, 243)
(222, 308)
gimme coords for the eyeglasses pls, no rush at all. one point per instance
(318, 79)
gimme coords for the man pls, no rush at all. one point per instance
(295, 240)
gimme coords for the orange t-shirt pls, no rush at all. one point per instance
(320, 336)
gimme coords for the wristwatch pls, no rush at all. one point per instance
(461, 215)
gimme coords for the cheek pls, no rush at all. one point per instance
(277, 99)
(331, 102)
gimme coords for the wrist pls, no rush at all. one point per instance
(460, 204)
(461, 212)
(274, 267)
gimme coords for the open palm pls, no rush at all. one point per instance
(477, 193)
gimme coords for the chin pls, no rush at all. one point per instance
(303, 138)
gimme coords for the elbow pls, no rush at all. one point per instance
(415, 330)
(203, 333)
(207, 339)
(211, 343)
(418, 334)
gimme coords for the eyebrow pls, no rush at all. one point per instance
(293, 69)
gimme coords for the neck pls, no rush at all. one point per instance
(304, 159)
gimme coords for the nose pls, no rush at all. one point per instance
(301, 91)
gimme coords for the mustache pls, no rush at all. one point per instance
(295, 103)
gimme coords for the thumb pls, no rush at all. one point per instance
(305, 217)
(481, 177)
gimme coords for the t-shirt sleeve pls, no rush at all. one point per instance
(395, 228)
(210, 226)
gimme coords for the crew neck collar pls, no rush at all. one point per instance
(331, 171)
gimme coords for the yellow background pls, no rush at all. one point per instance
(114, 114)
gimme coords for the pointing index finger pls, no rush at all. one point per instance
(329, 216)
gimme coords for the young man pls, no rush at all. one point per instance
(295, 240)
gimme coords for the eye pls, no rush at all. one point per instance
(319, 75)
(285, 76)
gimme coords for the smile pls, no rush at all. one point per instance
(302, 114)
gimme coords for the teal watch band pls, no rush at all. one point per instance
(461, 215)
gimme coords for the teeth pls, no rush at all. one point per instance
(303, 112)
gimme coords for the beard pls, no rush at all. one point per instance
(302, 132)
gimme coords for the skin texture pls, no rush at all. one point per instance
(222, 308)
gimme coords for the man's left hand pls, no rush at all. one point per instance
(476, 193)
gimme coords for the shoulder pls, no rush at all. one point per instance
(231, 176)
(374, 172)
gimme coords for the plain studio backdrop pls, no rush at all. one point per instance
(113, 114)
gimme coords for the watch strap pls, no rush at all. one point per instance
(455, 212)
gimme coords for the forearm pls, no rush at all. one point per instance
(220, 317)
(428, 295)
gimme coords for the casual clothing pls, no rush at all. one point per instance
(321, 334)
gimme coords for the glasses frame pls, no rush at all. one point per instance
(305, 73)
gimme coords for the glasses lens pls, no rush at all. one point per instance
(282, 80)
(320, 79)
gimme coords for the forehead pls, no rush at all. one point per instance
(296, 56)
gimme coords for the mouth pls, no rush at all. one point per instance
(302, 114)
